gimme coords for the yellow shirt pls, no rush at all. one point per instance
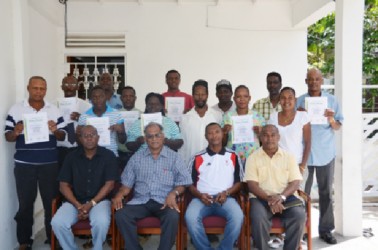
(272, 174)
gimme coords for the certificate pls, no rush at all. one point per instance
(67, 106)
(147, 118)
(242, 129)
(316, 107)
(102, 125)
(36, 128)
(129, 117)
(175, 107)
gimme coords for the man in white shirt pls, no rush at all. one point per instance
(193, 123)
(70, 87)
(224, 94)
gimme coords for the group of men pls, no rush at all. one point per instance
(157, 166)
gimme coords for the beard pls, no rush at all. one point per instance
(200, 104)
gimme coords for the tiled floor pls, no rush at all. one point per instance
(370, 220)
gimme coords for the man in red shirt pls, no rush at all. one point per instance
(173, 79)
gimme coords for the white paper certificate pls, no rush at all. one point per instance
(102, 125)
(129, 117)
(175, 107)
(316, 107)
(67, 106)
(36, 128)
(242, 129)
(147, 118)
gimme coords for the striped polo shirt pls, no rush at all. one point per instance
(35, 153)
(114, 118)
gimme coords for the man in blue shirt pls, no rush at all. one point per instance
(113, 99)
(158, 175)
(323, 152)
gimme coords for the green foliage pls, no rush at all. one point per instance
(321, 46)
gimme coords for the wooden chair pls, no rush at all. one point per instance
(148, 225)
(213, 224)
(277, 226)
(82, 227)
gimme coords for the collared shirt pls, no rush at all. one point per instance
(122, 147)
(189, 102)
(244, 149)
(171, 131)
(232, 108)
(82, 107)
(154, 178)
(213, 173)
(115, 101)
(192, 129)
(88, 176)
(323, 145)
(273, 174)
(265, 107)
(35, 153)
(114, 118)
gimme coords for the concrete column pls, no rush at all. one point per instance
(348, 81)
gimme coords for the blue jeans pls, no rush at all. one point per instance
(230, 210)
(66, 216)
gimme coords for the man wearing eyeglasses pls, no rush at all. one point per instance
(86, 179)
(157, 176)
(70, 87)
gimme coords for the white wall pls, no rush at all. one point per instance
(7, 80)
(195, 40)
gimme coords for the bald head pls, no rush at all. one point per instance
(69, 86)
(314, 81)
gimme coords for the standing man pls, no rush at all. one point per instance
(273, 177)
(70, 87)
(128, 98)
(323, 153)
(158, 176)
(107, 83)
(86, 179)
(173, 79)
(216, 173)
(195, 121)
(224, 95)
(267, 106)
(36, 164)
(101, 109)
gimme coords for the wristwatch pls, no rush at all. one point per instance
(93, 203)
(283, 197)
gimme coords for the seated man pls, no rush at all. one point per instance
(273, 177)
(86, 178)
(216, 175)
(158, 175)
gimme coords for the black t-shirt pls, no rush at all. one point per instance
(88, 176)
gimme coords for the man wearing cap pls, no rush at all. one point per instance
(173, 79)
(270, 104)
(193, 123)
(224, 95)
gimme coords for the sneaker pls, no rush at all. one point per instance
(275, 242)
(303, 245)
(328, 238)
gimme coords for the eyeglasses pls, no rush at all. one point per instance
(90, 135)
(151, 136)
(70, 84)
